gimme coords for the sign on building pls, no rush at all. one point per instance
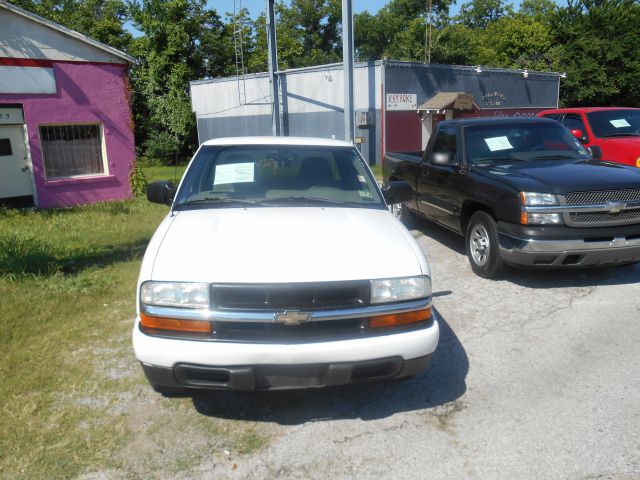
(402, 101)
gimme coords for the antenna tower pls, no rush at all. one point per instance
(238, 28)
(427, 33)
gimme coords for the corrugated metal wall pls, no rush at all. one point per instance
(311, 104)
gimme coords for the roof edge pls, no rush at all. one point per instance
(66, 31)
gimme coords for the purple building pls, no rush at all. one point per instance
(66, 130)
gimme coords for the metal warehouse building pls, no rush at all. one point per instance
(397, 104)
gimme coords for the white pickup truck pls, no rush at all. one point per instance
(280, 266)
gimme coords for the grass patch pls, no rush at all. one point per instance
(74, 399)
(377, 171)
(164, 173)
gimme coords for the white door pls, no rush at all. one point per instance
(15, 175)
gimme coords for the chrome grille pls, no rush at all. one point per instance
(626, 216)
(603, 196)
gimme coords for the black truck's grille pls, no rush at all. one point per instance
(299, 296)
(603, 196)
(626, 216)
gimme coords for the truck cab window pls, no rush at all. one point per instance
(574, 122)
(446, 142)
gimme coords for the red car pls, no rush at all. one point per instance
(610, 133)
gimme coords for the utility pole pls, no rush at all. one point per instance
(273, 68)
(347, 65)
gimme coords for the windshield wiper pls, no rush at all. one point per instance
(489, 160)
(554, 157)
(622, 134)
(318, 200)
(197, 201)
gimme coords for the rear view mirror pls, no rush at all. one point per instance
(595, 152)
(397, 192)
(441, 158)
(161, 192)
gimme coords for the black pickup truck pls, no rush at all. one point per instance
(523, 192)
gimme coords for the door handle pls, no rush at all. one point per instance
(24, 168)
(425, 173)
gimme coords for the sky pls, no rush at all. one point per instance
(256, 7)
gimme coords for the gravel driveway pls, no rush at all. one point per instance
(536, 376)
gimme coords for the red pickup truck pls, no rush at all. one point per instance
(610, 133)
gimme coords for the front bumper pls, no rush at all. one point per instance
(172, 362)
(281, 377)
(568, 247)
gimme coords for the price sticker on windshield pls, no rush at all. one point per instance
(620, 123)
(498, 143)
(234, 173)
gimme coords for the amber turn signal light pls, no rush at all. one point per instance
(400, 318)
(162, 323)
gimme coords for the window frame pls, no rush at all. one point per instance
(103, 151)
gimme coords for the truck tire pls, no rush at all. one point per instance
(481, 240)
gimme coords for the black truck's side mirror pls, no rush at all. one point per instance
(595, 152)
(161, 191)
(440, 158)
(397, 192)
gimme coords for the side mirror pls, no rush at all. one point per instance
(595, 152)
(397, 192)
(576, 132)
(441, 158)
(161, 192)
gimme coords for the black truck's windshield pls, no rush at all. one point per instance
(490, 144)
(270, 175)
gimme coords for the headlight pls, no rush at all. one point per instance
(533, 199)
(638, 162)
(540, 218)
(400, 289)
(175, 294)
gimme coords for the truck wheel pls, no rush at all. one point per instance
(482, 245)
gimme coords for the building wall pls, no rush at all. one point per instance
(312, 101)
(86, 93)
(311, 105)
(497, 92)
(21, 37)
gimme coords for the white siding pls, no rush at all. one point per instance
(312, 91)
(24, 38)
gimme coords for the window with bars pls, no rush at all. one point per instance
(71, 150)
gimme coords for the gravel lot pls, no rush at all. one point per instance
(536, 376)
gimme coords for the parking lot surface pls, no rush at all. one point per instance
(536, 376)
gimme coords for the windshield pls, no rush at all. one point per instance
(270, 175)
(615, 123)
(489, 144)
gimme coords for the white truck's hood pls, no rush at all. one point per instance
(277, 245)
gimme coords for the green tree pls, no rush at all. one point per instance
(397, 31)
(597, 45)
(182, 41)
(480, 13)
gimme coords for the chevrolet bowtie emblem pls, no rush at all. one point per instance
(615, 207)
(292, 317)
